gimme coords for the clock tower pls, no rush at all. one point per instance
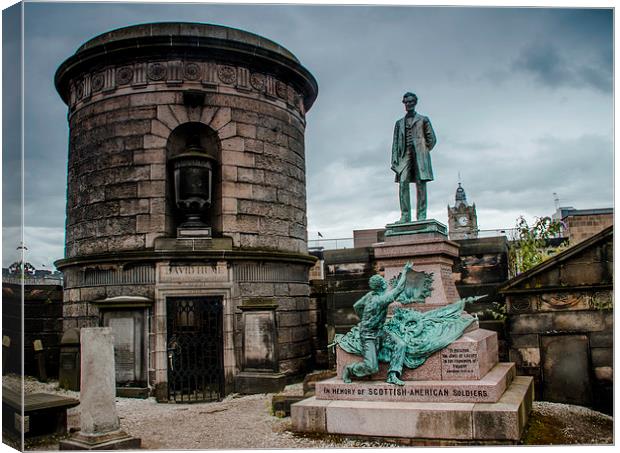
(462, 219)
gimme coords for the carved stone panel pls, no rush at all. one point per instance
(259, 341)
(566, 366)
(183, 273)
(129, 344)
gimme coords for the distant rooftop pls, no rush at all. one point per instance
(567, 211)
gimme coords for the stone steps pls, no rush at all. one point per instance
(489, 389)
(502, 420)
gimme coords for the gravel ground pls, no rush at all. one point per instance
(246, 423)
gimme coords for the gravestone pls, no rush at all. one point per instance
(69, 373)
(99, 422)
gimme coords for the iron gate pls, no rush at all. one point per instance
(195, 349)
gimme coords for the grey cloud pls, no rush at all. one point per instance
(553, 69)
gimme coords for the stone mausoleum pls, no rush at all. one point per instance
(186, 207)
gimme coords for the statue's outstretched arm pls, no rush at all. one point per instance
(390, 296)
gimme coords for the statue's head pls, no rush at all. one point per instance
(377, 283)
(410, 100)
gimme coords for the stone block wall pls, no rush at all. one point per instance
(481, 268)
(42, 320)
(561, 324)
(286, 286)
(582, 371)
(581, 227)
(116, 198)
(97, 282)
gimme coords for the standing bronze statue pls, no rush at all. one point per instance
(414, 138)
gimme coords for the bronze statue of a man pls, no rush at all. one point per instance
(414, 138)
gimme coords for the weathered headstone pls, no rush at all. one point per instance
(69, 372)
(99, 422)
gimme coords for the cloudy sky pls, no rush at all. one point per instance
(520, 99)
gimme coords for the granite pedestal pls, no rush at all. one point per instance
(461, 394)
(425, 244)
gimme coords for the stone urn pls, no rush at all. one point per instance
(193, 184)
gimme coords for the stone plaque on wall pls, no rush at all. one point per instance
(124, 348)
(260, 337)
(127, 327)
(260, 367)
(259, 340)
(172, 273)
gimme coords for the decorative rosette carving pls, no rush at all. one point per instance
(97, 81)
(79, 90)
(257, 81)
(192, 71)
(124, 75)
(156, 71)
(227, 74)
(282, 90)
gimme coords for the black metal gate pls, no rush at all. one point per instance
(195, 349)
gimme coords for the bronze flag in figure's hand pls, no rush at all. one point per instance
(414, 138)
(407, 339)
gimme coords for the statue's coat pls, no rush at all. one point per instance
(423, 140)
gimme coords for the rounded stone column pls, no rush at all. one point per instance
(136, 97)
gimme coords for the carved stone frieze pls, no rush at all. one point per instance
(520, 304)
(209, 74)
(97, 82)
(282, 90)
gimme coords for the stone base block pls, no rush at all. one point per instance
(117, 440)
(430, 252)
(489, 389)
(416, 227)
(248, 382)
(470, 357)
(132, 392)
(500, 421)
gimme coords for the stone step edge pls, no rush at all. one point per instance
(503, 420)
(489, 389)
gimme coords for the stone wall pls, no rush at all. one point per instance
(581, 227)
(286, 286)
(116, 197)
(561, 323)
(42, 320)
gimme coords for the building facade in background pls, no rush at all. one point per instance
(462, 217)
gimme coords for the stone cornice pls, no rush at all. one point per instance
(252, 53)
(152, 256)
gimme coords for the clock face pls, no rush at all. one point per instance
(463, 220)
